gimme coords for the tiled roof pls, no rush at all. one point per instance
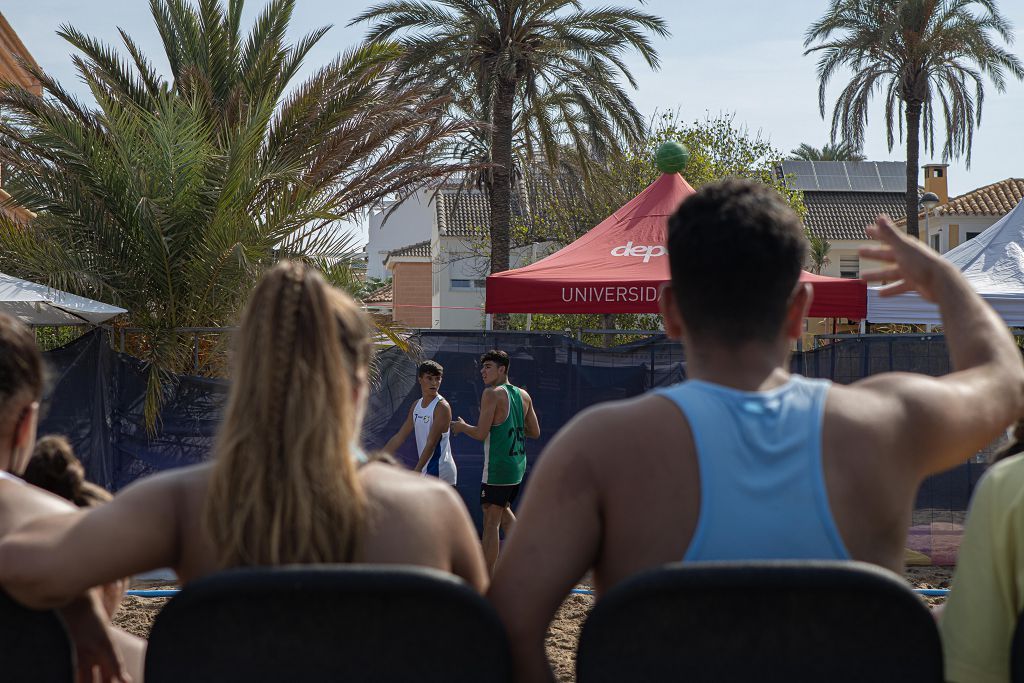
(418, 249)
(996, 199)
(381, 295)
(467, 212)
(844, 215)
(462, 213)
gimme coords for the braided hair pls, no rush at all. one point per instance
(284, 487)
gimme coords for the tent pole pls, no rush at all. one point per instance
(489, 324)
(529, 322)
(863, 326)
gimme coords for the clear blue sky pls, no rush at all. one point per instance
(743, 58)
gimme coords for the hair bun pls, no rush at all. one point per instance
(55, 468)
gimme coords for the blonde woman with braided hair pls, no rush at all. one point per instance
(288, 483)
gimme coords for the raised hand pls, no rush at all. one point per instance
(914, 267)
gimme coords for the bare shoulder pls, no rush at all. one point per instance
(174, 481)
(397, 486)
(620, 432)
(874, 406)
(526, 396)
(20, 503)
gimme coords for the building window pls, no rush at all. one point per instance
(936, 244)
(468, 284)
(972, 235)
(849, 266)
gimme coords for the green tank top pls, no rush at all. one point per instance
(505, 447)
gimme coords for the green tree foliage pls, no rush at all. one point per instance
(831, 151)
(572, 324)
(719, 148)
(928, 58)
(541, 76)
(170, 196)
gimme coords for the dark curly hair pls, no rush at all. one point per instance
(430, 367)
(55, 468)
(497, 357)
(735, 250)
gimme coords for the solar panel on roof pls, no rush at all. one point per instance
(894, 184)
(845, 176)
(834, 183)
(865, 184)
(858, 169)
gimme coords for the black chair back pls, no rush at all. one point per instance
(1017, 653)
(767, 621)
(34, 646)
(328, 623)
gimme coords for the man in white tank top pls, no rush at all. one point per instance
(430, 418)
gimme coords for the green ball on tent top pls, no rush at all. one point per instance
(671, 157)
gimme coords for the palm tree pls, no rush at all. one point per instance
(549, 63)
(927, 56)
(170, 197)
(818, 253)
(832, 151)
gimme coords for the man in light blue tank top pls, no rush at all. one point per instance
(745, 460)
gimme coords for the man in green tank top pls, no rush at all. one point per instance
(507, 419)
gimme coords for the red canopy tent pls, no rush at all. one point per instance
(619, 266)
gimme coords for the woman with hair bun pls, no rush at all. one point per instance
(54, 468)
(287, 484)
(100, 648)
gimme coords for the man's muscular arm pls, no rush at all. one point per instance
(488, 406)
(937, 423)
(531, 423)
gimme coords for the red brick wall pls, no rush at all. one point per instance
(412, 285)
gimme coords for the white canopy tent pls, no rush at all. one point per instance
(36, 304)
(993, 262)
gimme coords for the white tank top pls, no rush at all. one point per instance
(441, 463)
(4, 474)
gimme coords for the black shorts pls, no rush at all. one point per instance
(502, 496)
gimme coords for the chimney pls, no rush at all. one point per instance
(935, 180)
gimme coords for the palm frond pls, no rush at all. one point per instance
(171, 197)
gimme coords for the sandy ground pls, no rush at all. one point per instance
(136, 615)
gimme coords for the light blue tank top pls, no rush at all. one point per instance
(761, 480)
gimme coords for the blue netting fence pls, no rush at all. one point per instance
(97, 397)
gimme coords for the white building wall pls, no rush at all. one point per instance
(846, 250)
(939, 226)
(459, 304)
(410, 222)
(460, 272)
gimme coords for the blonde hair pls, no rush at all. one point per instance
(284, 487)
